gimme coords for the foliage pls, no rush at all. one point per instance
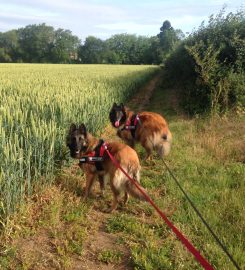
(35, 42)
(64, 48)
(110, 256)
(59, 231)
(119, 49)
(43, 44)
(209, 65)
(92, 51)
(9, 46)
(38, 44)
(60, 217)
(168, 38)
(129, 48)
(207, 158)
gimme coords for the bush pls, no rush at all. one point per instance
(208, 66)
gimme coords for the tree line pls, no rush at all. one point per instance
(40, 43)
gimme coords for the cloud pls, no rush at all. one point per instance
(107, 17)
(80, 17)
(64, 8)
(128, 27)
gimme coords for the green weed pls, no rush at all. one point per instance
(110, 256)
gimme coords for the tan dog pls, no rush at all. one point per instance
(148, 128)
(83, 144)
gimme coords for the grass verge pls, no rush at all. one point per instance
(55, 228)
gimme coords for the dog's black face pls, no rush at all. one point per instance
(117, 115)
(76, 140)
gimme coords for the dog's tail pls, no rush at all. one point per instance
(133, 190)
(164, 147)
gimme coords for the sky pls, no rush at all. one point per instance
(108, 17)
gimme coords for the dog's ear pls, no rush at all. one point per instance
(83, 130)
(72, 128)
(68, 137)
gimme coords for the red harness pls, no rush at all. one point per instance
(132, 122)
(96, 156)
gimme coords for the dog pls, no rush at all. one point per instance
(148, 128)
(82, 144)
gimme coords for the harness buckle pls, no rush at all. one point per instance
(96, 156)
(83, 160)
(130, 127)
(95, 159)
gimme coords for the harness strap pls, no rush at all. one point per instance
(96, 156)
(99, 151)
(132, 124)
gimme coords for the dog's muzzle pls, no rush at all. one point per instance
(117, 123)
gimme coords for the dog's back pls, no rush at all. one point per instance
(126, 157)
(151, 129)
(153, 133)
(151, 123)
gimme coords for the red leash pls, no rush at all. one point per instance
(182, 238)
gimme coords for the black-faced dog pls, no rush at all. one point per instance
(83, 146)
(148, 128)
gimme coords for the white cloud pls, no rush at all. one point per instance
(127, 26)
(107, 17)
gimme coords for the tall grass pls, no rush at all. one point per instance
(38, 103)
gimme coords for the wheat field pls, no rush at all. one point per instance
(38, 103)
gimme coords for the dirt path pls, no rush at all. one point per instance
(100, 239)
(142, 98)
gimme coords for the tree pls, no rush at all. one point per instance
(64, 47)
(92, 51)
(9, 46)
(129, 49)
(154, 53)
(41, 44)
(168, 39)
(208, 67)
(35, 41)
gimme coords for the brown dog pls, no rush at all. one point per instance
(82, 143)
(148, 128)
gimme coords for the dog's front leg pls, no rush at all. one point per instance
(90, 177)
(102, 184)
(131, 143)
